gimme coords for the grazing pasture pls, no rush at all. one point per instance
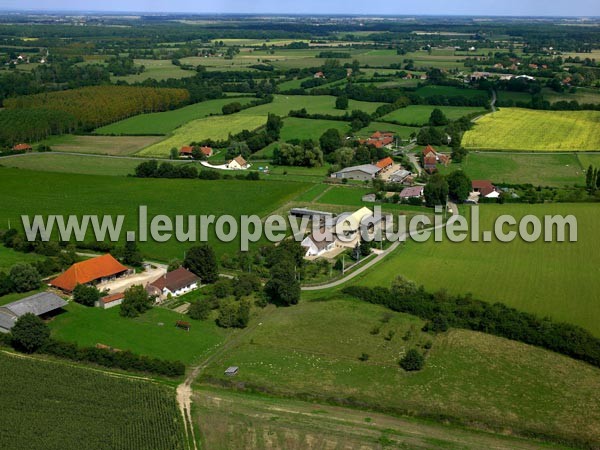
(318, 345)
(102, 145)
(545, 278)
(216, 128)
(419, 114)
(581, 95)
(541, 169)
(525, 129)
(72, 407)
(167, 121)
(65, 194)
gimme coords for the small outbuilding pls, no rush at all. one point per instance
(44, 304)
(232, 370)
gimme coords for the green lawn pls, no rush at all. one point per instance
(526, 129)
(167, 121)
(152, 334)
(419, 114)
(555, 279)
(312, 350)
(66, 194)
(544, 169)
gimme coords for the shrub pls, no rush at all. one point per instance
(29, 333)
(412, 361)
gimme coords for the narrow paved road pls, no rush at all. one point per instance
(378, 258)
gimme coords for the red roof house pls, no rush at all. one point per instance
(485, 188)
(22, 148)
(93, 270)
(385, 163)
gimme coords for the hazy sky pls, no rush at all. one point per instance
(429, 7)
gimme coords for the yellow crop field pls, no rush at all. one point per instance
(526, 129)
(217, 127)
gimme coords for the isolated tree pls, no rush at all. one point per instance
(86, 295)
(29, 333)
(173, 153)
(404, 289)
(24, 277)
(135, 302)
(202, 261)
(273, 127)
(412, 361)
(459, 186)
(437, 118)
(330, 141)
(283, 289)
(589, 177)
(131, 254)
(341, 102)
(436, 191)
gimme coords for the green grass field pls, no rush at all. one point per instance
(419, 114)
(582, 96)
(217, 128)
(402, 131)
(143, 335)
(542, 169)
(449, 91)
(314, 104)
(296, 128)
(559, 280)
(167, 121)
(74, 407)
(65, 194)
(102, 145)
(9, 257)
(158, 69)
(585, 159)
(514, 96)
(312, 349)
(525, 129)
(79, 164)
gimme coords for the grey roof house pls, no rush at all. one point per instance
(38, 304)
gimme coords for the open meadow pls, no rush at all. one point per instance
(158, 69)
(216, 128)
(9, 257)
(111, 195)
(540, 169)
(75, 407)
(165, 122)
(557, 279)
(525, 129)
(102, 145)
(312, 351)
(419, 114)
